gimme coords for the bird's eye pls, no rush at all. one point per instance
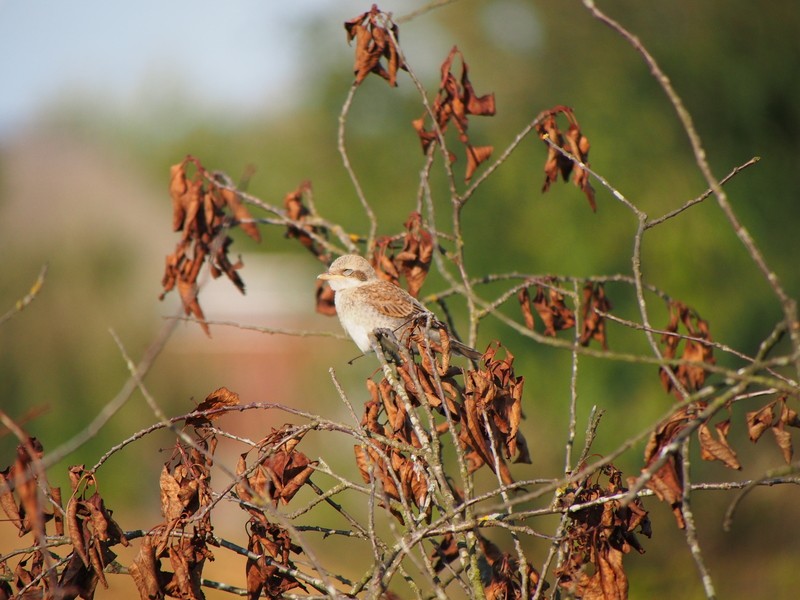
(347, 272)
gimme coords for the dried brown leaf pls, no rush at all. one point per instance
(374, 43)
(188, 292)
(697, 350)
(219, 398)
(717, 447)
(146, 573)
(784, 440)
(525, 304)
(475, 156)
(758, 421)
(549, 304)
(7, 500)
(172, 505)
(573, 142)
(593, 323)
(75, 528)
(454, 102)
(667, 481)
(788, 418)
(77, 580)
(240, 213)
(177, 190)
(325, 299)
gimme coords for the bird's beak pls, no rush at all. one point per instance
(324, 276)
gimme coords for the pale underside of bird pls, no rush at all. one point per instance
(366, 304)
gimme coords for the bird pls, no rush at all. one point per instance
(367, 304)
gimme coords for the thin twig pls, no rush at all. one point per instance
(116, 403)
(690, 530)
(373, 222)
(23, 302)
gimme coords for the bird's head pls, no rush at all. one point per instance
(348, 271)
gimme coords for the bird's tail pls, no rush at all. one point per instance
(464, 350)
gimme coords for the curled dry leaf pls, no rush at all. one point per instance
(325, 299)
(696, 349)
(241, 214)
(597, 538)
(403, 478)
(572, 142)
(280, 470)
(455, 101)
(146, 571)
(412, 261)
(205, 411)
(759, 421)
(717, 447)
(376, 38)
(475, 156)
(667, 481)
(549, 305)
(493, 399)
(185, 491)
(301, 230)
(273, 545)
(92, 532)
(199, 208)
(19, 495)
(594, 323)
(775, 416)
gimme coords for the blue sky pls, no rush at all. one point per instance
(123, 51)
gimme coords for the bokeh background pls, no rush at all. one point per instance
(98, 100)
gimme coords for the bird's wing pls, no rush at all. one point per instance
(396, 303)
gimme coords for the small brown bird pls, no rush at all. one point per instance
(366, 303)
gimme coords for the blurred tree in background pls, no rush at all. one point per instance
(84, 189)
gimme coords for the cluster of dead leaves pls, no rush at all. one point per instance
(597, 538)
(667, 480)
(491, 415)
(486, 410)
(19, 495)
(91, 529)
(186, 502)
(697, 349)
(500, 573)
(204, 212)
(573, 142)
(402, 475)
(775, 416)
(557, 316)
(23, 506)
(455, 101)
(412, 262)
(277, 474)
(307, 234)
(374, 42)
(186, 532)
